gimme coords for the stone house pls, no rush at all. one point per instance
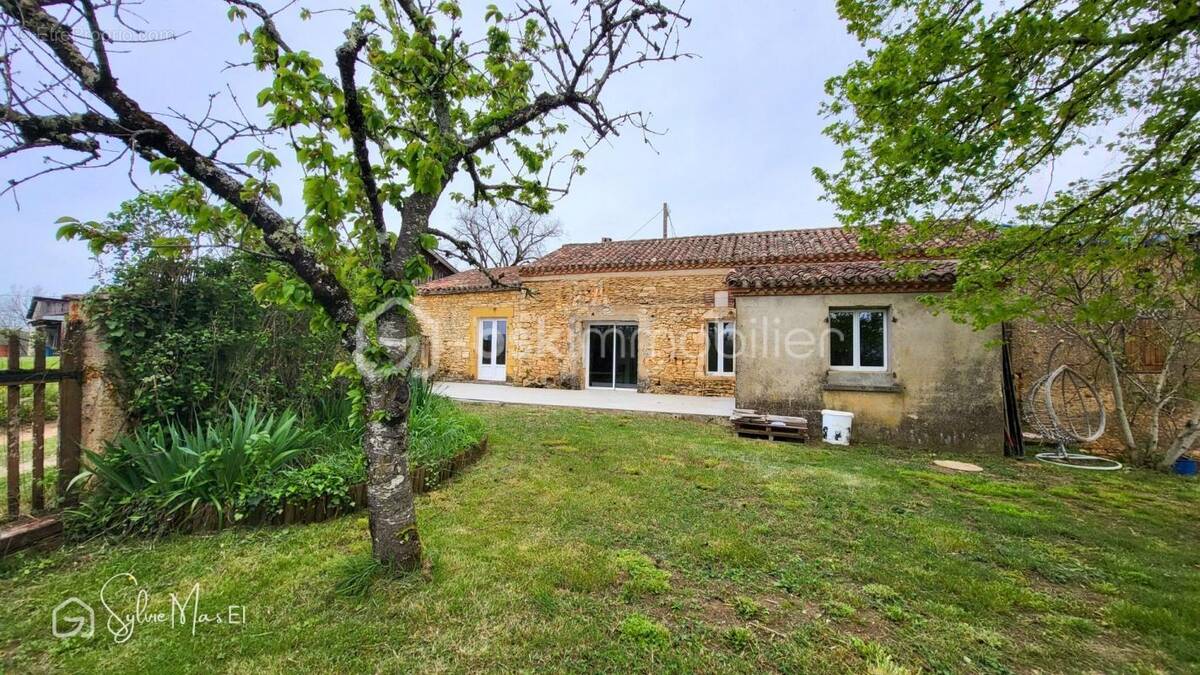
(788, 322)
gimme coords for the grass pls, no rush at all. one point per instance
(27, 362)
(51, 401)
(588, 541)
(50, 455)
(50, 452)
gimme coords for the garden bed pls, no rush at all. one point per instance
(253, 467)
(297, 512)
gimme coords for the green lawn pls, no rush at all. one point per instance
(589, 541)
(27, 362)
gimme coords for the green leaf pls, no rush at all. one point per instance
(428, 178)
(69, 231)
(163, 165)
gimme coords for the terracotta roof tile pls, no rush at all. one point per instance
(472, 280)
(705, 251)
(718, 250)
(721, 251)
(864, 274)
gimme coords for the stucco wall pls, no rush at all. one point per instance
(942, 388)
(547, 328)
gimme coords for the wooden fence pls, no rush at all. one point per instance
(68, 377)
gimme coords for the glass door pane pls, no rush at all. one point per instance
(485, 351)
(625, 351)
(600, 356)
(501, 342)
(714, 352)
(729, 346)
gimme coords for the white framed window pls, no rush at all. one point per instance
(858, 339)
(722, 343)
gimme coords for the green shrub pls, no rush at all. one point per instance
(245, 463)
(330, 475)
(151, 478)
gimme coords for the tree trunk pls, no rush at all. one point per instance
(392, 513)
(1114, 376)
(1184, 441)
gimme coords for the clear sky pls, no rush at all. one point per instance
(742, 130)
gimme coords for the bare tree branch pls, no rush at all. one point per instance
(145, 134)
(505, 236)
(347, 57)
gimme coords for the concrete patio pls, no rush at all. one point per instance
(598, 399)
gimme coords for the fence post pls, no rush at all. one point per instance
(70, 401)
(37, 496)
(14, 428)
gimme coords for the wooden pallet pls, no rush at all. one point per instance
(770, 427)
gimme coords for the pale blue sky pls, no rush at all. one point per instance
(742, 123)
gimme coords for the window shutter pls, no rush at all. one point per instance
(1144, 351)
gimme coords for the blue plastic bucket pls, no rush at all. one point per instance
(1186, 466)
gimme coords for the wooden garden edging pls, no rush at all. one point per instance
(205, 519)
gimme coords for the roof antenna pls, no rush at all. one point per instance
(666, 218)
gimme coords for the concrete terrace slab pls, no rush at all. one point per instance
(598, 399)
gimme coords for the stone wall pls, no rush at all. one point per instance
(548, 328)
(103, 416)
(450, 324)
(1033, 345)
(942, 387)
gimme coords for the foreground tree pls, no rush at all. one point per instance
(411, 104)
(957, 119)
(501, 236)
(1150, 357)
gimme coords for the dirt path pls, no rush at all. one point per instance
(51, 432)
(27, 437)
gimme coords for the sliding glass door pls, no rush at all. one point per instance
(612, 356)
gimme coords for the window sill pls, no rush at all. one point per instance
(860, 380)
(884, 389)
(722, 375)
